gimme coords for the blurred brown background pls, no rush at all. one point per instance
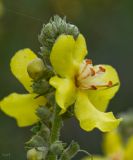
(108, 28)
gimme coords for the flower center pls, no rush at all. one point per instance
(91, 77)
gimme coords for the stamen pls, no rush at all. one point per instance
(92, 72)
(86, 68)
(102, 69)
(86, 78)
(110, 83)
(113, 85)
(88, 61)
(94, 87)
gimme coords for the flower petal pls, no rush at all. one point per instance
(91, 118)
(129, 149)
(112, 143)
(101, 98)
(80, 49)
(22, 107)
(67, 53)
(19, 64)
(65, 92)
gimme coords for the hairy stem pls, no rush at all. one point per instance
(56, 126)
(55, 131)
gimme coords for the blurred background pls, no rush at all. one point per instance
(108, 28)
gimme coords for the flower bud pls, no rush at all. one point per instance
(32, 154)
(36, 69)
(56, 147)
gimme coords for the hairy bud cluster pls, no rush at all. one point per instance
(54, 28)
(51, 31)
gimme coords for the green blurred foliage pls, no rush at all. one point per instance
(108, 28)
(1, 8)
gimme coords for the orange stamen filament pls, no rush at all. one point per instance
(95, 87)
(88, 73)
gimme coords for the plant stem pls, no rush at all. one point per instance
(55, 131)
(56, 126)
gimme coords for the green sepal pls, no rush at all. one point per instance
(51, 99)
(45, 133)
(36, 128)
(41, 87)
(70, 151)
(42, 153)
(44, 114)
(42, 130)
(36, 141)
(57, 147)
(48, 73)
(39, 153)
(69, 113)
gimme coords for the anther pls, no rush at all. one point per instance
(88, 61)
(110, 83)
(94, 87)
(102, 69)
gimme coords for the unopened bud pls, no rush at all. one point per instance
(36, 69)
(32, 154)
(56, 147)
(37, 154)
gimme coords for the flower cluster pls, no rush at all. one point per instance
(61, 82)
(77, 82)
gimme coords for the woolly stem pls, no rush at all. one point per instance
(55, 131)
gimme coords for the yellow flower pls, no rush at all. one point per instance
(80, 83)
(22, 107)
(116, 149)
